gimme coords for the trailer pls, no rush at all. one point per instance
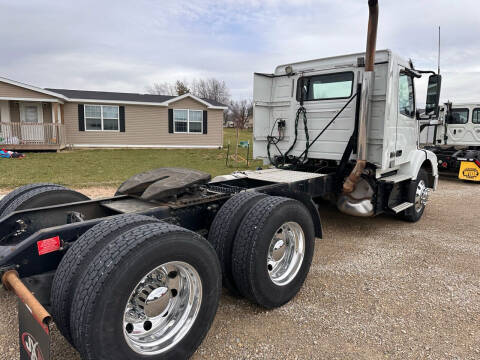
(139, 275)
(455, 140)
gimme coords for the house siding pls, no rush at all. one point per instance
(13, 91)
(146, 125)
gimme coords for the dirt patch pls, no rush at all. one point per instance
(91, 192)
(98, 192)
(378, 288)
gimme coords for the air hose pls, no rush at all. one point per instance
(271, 140)
(300, 112)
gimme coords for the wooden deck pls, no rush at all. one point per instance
(32, 147)
(32, 137)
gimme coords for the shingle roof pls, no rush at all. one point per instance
(116, 96)
(106, 95)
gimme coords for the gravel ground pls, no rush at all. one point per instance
(378, 288)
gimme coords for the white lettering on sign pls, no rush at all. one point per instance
(31, 347)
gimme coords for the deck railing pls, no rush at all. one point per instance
(21, 133)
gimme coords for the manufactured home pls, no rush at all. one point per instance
(33, 118)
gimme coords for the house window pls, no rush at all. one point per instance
(195, 122)
(31, 113)
(188, 121)
(101, 118)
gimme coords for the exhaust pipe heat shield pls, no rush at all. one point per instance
(358, 202)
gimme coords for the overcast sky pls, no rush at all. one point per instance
(128, 45)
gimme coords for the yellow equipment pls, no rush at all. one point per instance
(469, 170)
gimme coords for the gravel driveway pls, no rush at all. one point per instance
(378, 288)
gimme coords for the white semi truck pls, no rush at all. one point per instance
(327, 115)
(455, 139)
(139, 275)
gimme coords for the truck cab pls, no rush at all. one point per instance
(322, 87)
(455, 139)
(461, 127)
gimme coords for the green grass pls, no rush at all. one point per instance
(87, 168)
(229, 136)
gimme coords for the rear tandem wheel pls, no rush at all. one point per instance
(78, 257)
(273, 250)
(224, 228)
(150, 293)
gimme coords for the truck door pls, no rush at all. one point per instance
(476, 126)
(273, 97)
(406, 136)
(460, 130)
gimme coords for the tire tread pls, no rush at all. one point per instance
(92, 280)
(6, 204)
(223, 230)
(78, 257)
(245, 241)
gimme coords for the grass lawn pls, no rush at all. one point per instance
(86, 168)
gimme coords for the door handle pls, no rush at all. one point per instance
(455, 132)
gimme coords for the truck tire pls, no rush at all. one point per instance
(43, 196)
(77, 258)
(416, 193)
(224, 228)
(19, 191)
(153, 278)
(273, 250)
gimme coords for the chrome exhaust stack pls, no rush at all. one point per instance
(352, 201)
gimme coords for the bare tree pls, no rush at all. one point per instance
(240, 112)
(164, 88)
(212, 89)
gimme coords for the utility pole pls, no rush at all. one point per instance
(439, 43)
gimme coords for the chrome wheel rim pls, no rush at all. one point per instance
(285, 253)
(162, 308)
(421, 196)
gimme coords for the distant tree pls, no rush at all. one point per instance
(240, 112)
(181, 87)
(212, 89)
(164, 88)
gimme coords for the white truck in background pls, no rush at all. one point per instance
(455, 139)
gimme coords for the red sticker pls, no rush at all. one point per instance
(48, 245)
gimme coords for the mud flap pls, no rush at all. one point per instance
(34, 336)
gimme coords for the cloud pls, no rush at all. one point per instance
(127, 45)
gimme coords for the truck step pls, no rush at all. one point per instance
(396, 178)
(403, 206)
